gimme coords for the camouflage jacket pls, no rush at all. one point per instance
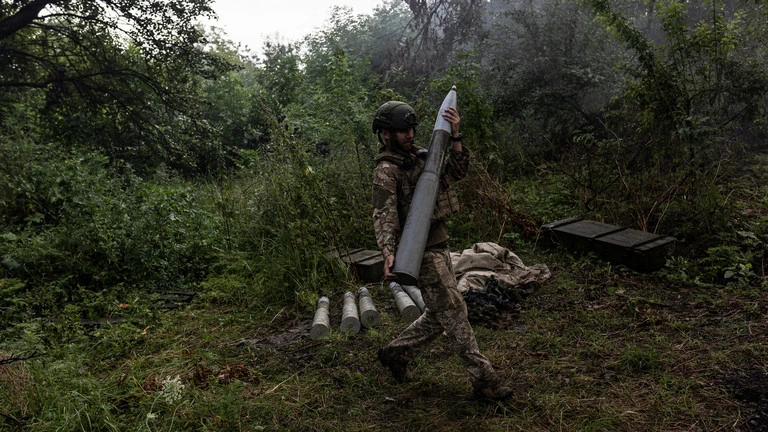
(394, 181)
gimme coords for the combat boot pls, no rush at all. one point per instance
(493, 392)
(397, 362)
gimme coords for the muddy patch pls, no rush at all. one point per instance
(750, 388)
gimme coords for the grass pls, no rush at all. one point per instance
(630, 353)
(595, 348)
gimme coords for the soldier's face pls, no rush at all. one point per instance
(402, 138)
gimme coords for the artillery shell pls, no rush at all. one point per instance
(415, 294)
(350, 320)
(408, 310)
(321, 323)
(369, 316)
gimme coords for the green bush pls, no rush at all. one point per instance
(78, 226)
(285, 214)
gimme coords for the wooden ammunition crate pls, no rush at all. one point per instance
(368, 265)
(638, 250)
(579, 235)
(650, 256)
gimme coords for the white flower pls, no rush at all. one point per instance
(172, 388)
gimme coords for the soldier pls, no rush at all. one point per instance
(399, 164)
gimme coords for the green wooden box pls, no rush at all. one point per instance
(638, 250)
(368, 265)
(578, 234)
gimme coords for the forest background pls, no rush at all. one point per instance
(142, 155)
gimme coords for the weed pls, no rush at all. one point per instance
(636, 360)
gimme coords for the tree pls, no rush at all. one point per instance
(692, 100)
(282, 74)
(163, 31)
(549, 71)
(438, 29)
(413, 41)
(693, 92)
(119, 75)
(232, 99)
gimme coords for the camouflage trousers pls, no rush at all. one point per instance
(445, 311)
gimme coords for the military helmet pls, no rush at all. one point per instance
(394, 115)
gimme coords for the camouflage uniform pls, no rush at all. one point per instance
(394, 182)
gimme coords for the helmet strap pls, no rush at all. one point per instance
(381, 140)
(409, 160)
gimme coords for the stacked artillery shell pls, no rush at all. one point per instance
(415, 294)
(350, 320)
(369, 316)
(321, 324)
(408, 310)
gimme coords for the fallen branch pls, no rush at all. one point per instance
(20, 357)
(10, 417)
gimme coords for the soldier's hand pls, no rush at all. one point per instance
(389, 261)
(452, 116)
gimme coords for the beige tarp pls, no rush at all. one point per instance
(473, 267)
